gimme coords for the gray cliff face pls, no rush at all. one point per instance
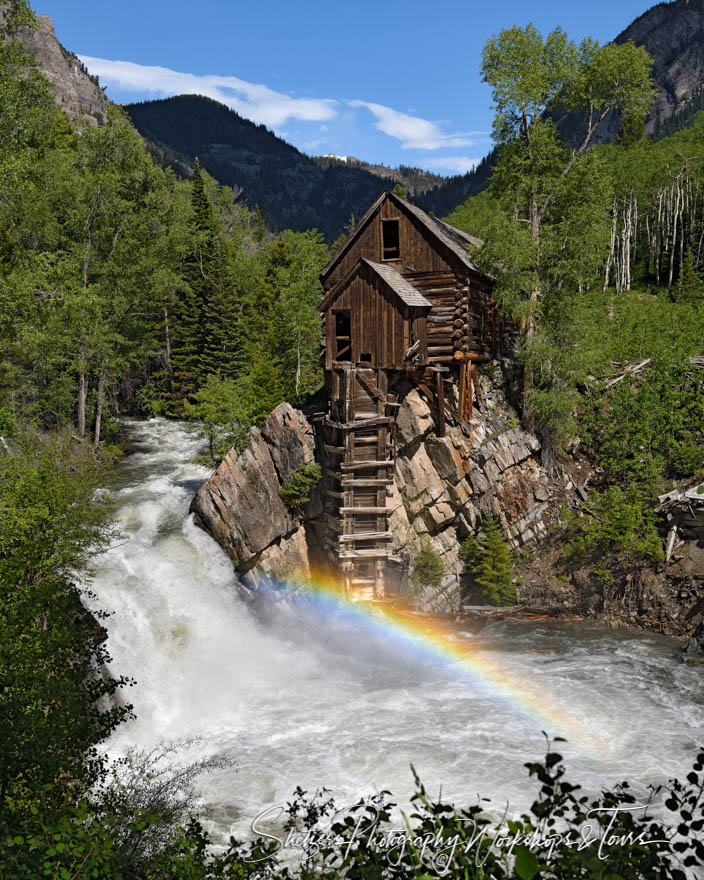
(673, 35)
(74, 90)
(443, 488)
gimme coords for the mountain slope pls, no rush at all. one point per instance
(673, 34)
(291, 189)
(75, 90)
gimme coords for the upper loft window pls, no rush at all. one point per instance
(390, 240)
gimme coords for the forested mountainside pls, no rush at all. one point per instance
(414, 180)
(291, 189)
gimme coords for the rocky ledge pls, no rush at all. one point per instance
(443, 488)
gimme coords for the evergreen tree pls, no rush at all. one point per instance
(428, 569)
(690, 287)
(488, 558)
(220, 320)
(189, 313)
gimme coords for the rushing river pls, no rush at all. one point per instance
(304, 698)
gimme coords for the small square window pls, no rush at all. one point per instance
(391, 239)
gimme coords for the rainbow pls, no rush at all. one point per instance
(437, 641)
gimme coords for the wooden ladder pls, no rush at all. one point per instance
(360, 454)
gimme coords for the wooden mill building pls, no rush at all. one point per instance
(403, 306)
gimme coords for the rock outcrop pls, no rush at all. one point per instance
(240, 504)
(443, 488)
(75, 91)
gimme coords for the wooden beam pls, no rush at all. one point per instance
(353, 510)
(469, 396)
(335, 450)
(463, 390)
(367, 536)
(440, 391)
(362, 483)
(365, 465)
(369, 385)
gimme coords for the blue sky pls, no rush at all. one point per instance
(383, 80)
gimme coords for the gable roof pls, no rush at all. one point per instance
(402, 288)
(454, 239)
(398, 285)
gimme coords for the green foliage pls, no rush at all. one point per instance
(52, 706)
(220, 408)
(488, 558)
(428, 569)
(617, 519)
(300, 483)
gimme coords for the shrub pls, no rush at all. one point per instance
(299, 484)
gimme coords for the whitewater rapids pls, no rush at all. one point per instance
(302, 698)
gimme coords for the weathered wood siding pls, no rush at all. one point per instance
(382, 326)
(418, 250)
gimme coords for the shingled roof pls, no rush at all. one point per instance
(454, 239)
(402, 288)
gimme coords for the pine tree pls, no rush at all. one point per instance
(220, 331)
(690, 288)
(488, 558)
(428, 569)
(189, 318)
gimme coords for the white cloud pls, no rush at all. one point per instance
(414, 132)
(253, 101)
(458, 164)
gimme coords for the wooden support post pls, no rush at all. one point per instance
(463, 390)
(440, 393)
(469, 391)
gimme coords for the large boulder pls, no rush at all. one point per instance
(240, 505)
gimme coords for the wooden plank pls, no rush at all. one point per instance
(440, 391)
(367, 423)
(366, 536)
(335, 450)
(369, 385)
(359, 510)
(366, 465)
(332, 493)
(463, 391)
(365, 484)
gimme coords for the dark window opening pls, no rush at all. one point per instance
(343, 336)
(365, 358)
(391, 239)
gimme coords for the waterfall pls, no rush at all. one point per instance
(297, 697)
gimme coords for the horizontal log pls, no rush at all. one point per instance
(439, 349)
(379, 511)
(335, 450)
(366, 465)
(361, 483)
(367, 536)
